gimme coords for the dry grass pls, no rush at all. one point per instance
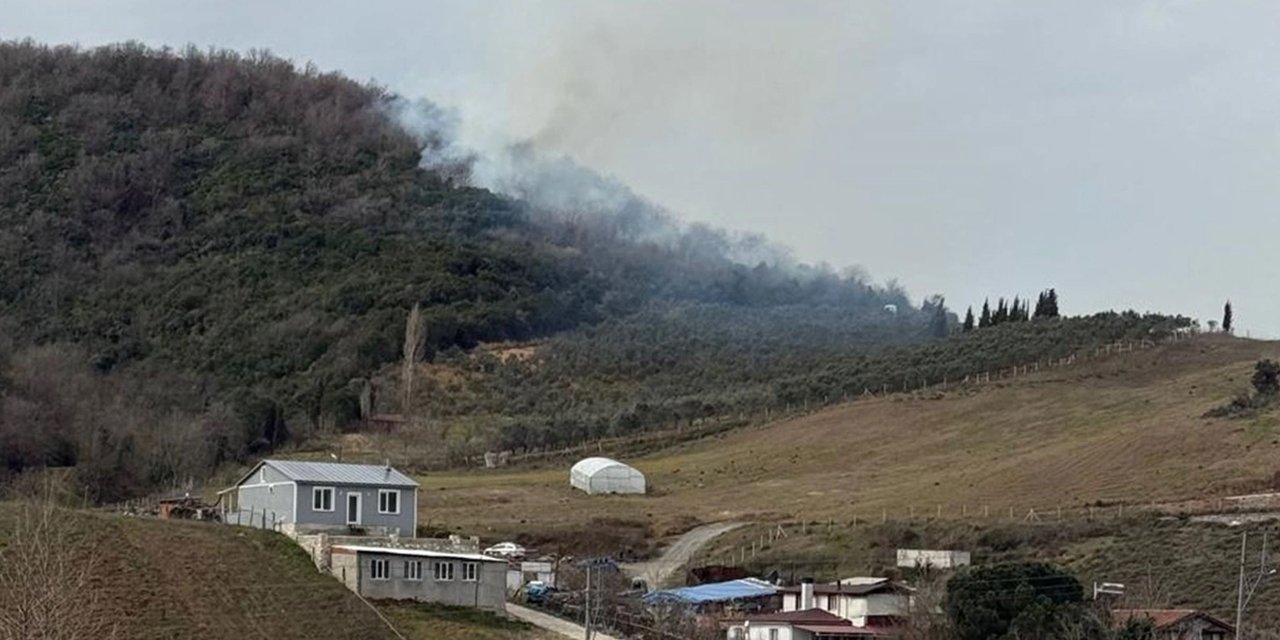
(1125, 430)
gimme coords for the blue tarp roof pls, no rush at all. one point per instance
(714, 592)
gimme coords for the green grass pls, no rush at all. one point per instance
(439, 622)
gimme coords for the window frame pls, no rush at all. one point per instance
(318, 491)
(382, 493)
(413, 570)
(470, 571)
(374, 574)
(448, 573)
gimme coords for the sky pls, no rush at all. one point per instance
(1126, 153)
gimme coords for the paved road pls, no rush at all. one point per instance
(552, 623)
(658, 572)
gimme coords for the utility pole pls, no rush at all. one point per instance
(586, 605)
(1245, 589)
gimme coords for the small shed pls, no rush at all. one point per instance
(603, 475)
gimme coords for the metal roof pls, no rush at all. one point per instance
(419, 553)
(715, 592)
(338, 473)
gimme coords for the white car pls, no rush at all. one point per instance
(505, 550)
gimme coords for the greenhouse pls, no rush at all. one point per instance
(602, 475)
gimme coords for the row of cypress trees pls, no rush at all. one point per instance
(1017, 311)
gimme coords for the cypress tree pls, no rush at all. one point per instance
(1226, 317)
(968, 321)
(1015, 313)
(940, 327)
(1051, 304)
(985, 319)
(1002, 313)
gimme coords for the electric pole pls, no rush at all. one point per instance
(1244, 588)
(586, 605)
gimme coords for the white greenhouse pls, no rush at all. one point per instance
(602, 475)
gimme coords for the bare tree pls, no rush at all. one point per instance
(47, 581)
(413, 335)
(925, 617)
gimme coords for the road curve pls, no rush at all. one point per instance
(657, 572)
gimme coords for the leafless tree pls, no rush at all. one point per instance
(47, 577)
(413, 335)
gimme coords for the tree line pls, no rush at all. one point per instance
(1016, 311)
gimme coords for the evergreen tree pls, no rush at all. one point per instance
(1051, 304)
(1002, 313)
(985, 319)
(968, 321)
(1041, 304)
(940, 325)
(1015, 312)
(1226, 317)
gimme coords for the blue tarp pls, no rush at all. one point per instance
(714, 592)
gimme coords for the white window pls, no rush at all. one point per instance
(389, 501)
(413, 570)
(443, 571)
(470, 571)
(322, 498)
(379, 569)
(262, 475)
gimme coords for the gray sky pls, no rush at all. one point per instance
(1126, 153)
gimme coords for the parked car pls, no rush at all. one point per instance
(505, 550)
(537, 592)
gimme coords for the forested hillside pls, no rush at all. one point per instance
(223, 240)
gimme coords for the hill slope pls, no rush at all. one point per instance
(143, 578)
(1126, 429)
(244, 239)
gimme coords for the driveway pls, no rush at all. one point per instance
(552, 623)
(657, 572)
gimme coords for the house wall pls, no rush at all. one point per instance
(488, 592)
(1194, 629)
(275, 499)
(345, 566)
(404, 523)
(760, 631)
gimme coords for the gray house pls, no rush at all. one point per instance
(459, 579)
(300, 497)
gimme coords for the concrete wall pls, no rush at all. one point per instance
(320, 545)
(488, 592)
(402, 523)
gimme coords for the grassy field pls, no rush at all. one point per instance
(149, 578)
(1124, 430)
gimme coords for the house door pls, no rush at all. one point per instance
(353, 508)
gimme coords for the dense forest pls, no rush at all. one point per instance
(259, 232)
(204, 255)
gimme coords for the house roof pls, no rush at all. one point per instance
(846, 631)
(419, 553)
(806, 617)
(854, 589)
(336, 473)
(715, 592)
(1163, 619)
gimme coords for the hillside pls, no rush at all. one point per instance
(139, 578)
(236, 242)
(1122, 430)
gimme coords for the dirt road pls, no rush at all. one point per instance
(552, 623)
(657, 572)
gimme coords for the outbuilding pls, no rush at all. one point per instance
(457, 579)
(303, 497)
(603, 475)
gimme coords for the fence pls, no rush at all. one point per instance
(711, 425)
(1224, 509)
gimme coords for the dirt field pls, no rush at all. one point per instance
(1127, 430)
(176, 580)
